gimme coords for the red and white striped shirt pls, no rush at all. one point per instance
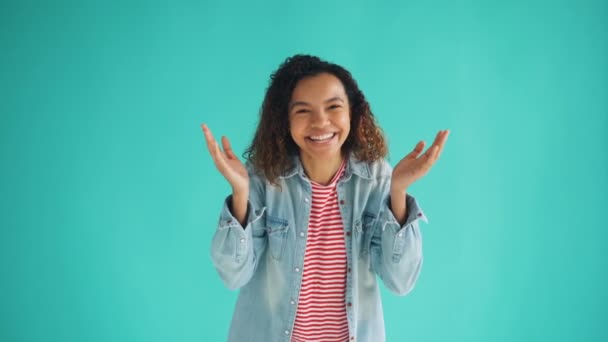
(321, 313)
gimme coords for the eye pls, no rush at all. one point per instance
(334, 106)
(301, 111)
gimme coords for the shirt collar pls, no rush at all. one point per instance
(353, 166)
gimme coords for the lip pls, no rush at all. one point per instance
(318, 134)
(322, 142)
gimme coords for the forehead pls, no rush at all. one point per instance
(318, 88)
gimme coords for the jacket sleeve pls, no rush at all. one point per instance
(236, 250)
(396, 250)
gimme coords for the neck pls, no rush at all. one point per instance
(321, 171)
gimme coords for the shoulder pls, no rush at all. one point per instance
(378, 169)
(258, 180)
(256, 176)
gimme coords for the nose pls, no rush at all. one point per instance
(319, 118)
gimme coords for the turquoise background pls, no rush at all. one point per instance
(110, 199)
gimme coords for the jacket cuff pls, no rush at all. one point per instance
(241, 237)
(414, 213)
(227, 220)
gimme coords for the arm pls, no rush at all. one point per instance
(238, 206)
(399, 205)
(396, 249)
(396, 242)
(240, 238)
(237, 244)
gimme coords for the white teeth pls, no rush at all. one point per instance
(322, 137)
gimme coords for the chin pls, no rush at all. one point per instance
(323, 156)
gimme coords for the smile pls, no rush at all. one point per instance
(322, 138)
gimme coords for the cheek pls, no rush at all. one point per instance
(345, 121)
(295, 126)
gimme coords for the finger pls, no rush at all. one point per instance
(443, 135)
(416, 151)
(444, 138)
(214, 148)
(432, 152)
(220, 160)
(216, 153)
(228, 148)
(209, 138)
(437, 139)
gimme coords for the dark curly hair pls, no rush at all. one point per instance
(272, 147)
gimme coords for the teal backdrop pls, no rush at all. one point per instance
(110, 198)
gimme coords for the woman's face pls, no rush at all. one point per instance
(319, 117)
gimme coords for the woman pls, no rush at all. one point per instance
(317, 213)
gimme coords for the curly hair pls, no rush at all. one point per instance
(272, 147)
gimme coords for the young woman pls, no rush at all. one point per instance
(317, 213)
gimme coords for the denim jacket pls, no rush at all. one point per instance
(264, 259)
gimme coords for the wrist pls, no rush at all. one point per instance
(240, 195)
(398, 191)
(244, 192)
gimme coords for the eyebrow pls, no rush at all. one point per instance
(302, 103)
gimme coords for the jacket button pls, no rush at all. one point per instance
(347, 233)
(341, 201)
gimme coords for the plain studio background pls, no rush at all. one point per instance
(110, 199)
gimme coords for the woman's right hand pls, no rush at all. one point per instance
(227, 163)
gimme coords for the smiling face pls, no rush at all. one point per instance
(319, 118)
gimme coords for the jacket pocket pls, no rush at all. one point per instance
(363, 232)
(276, 228)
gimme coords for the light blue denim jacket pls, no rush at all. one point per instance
(265, 258)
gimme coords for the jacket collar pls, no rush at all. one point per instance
(353, 166)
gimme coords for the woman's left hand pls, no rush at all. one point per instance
(414, 166)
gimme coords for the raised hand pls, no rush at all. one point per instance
(414, 166)
(227, 163)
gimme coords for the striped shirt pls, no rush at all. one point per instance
(321, 312)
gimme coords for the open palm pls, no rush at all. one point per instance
(414, 166)
(227, 162)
